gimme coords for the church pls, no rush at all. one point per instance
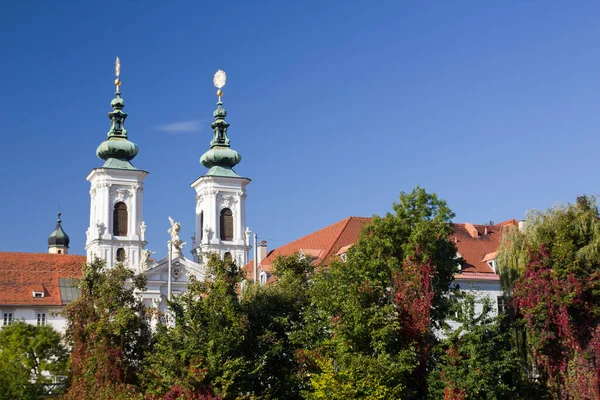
(35, 287)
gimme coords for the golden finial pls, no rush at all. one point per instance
(219, 80)
(117, 73)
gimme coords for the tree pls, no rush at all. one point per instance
(276, 324)
(107, 332)
(475, 360)
(29, 357)
(201, 355)
(373, 316)
(552, 269)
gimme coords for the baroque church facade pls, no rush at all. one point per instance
(117, 230)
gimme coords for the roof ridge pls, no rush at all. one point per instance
(327, 253)
(312, 233)
(42, 254)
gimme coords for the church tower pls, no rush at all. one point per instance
(116, 231)
(221, 195)
(58, 241)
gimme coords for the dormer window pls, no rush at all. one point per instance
(492, 264)
(343, 257)
(263, 278)
(38, 295)
(490, 259)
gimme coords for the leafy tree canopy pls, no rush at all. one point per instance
(29, 356)
(107, 332)
(552, 268)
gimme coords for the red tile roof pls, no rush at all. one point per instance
(323, 244)
(474, 250)
(23, 273)
(476, 247)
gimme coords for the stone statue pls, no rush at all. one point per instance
(156, 303)
(101, 228)
(247, 233)
(174, 232)
(143, 230)
(145, 258)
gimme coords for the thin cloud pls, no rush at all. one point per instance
(181, 126)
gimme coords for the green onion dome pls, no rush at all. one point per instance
(117, 151)
(220, 159)
(58, 237)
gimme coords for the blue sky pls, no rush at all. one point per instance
(335, 106)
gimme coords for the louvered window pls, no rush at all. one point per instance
(120, 219)
(226, 224)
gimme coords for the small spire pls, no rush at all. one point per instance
(220, 159)
(117, 73)
(117, 150)
(219, 80)
(58, 241)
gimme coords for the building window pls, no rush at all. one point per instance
(120, 254)
(227, 257)
(120, 219)
(226, 224)
(7, 318)
(201, 224)
(502, 304)
(38, 295)
(41, 319)
(60, 252)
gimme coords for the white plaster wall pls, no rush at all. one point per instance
(28, 315)
(109, 186)
(213, 194)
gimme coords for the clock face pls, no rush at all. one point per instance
(219, 79)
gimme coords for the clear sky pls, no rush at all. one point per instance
(335, 106)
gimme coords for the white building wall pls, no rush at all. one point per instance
(213, 194)
(29, 315)
(108, 187)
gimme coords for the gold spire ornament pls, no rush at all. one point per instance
(117, 73)
(219, 80)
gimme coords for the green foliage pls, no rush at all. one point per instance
(29, 356)
(569, 234)
(361, 322)
(553, 270)
(107, 332)
(475, 360)
(203, 350)
(275, 315)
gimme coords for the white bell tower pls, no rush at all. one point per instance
(221, 196)
(116, 232)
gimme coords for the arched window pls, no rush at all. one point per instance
(201, 224)
(120, 219)
(120, 254)
(226, 224)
